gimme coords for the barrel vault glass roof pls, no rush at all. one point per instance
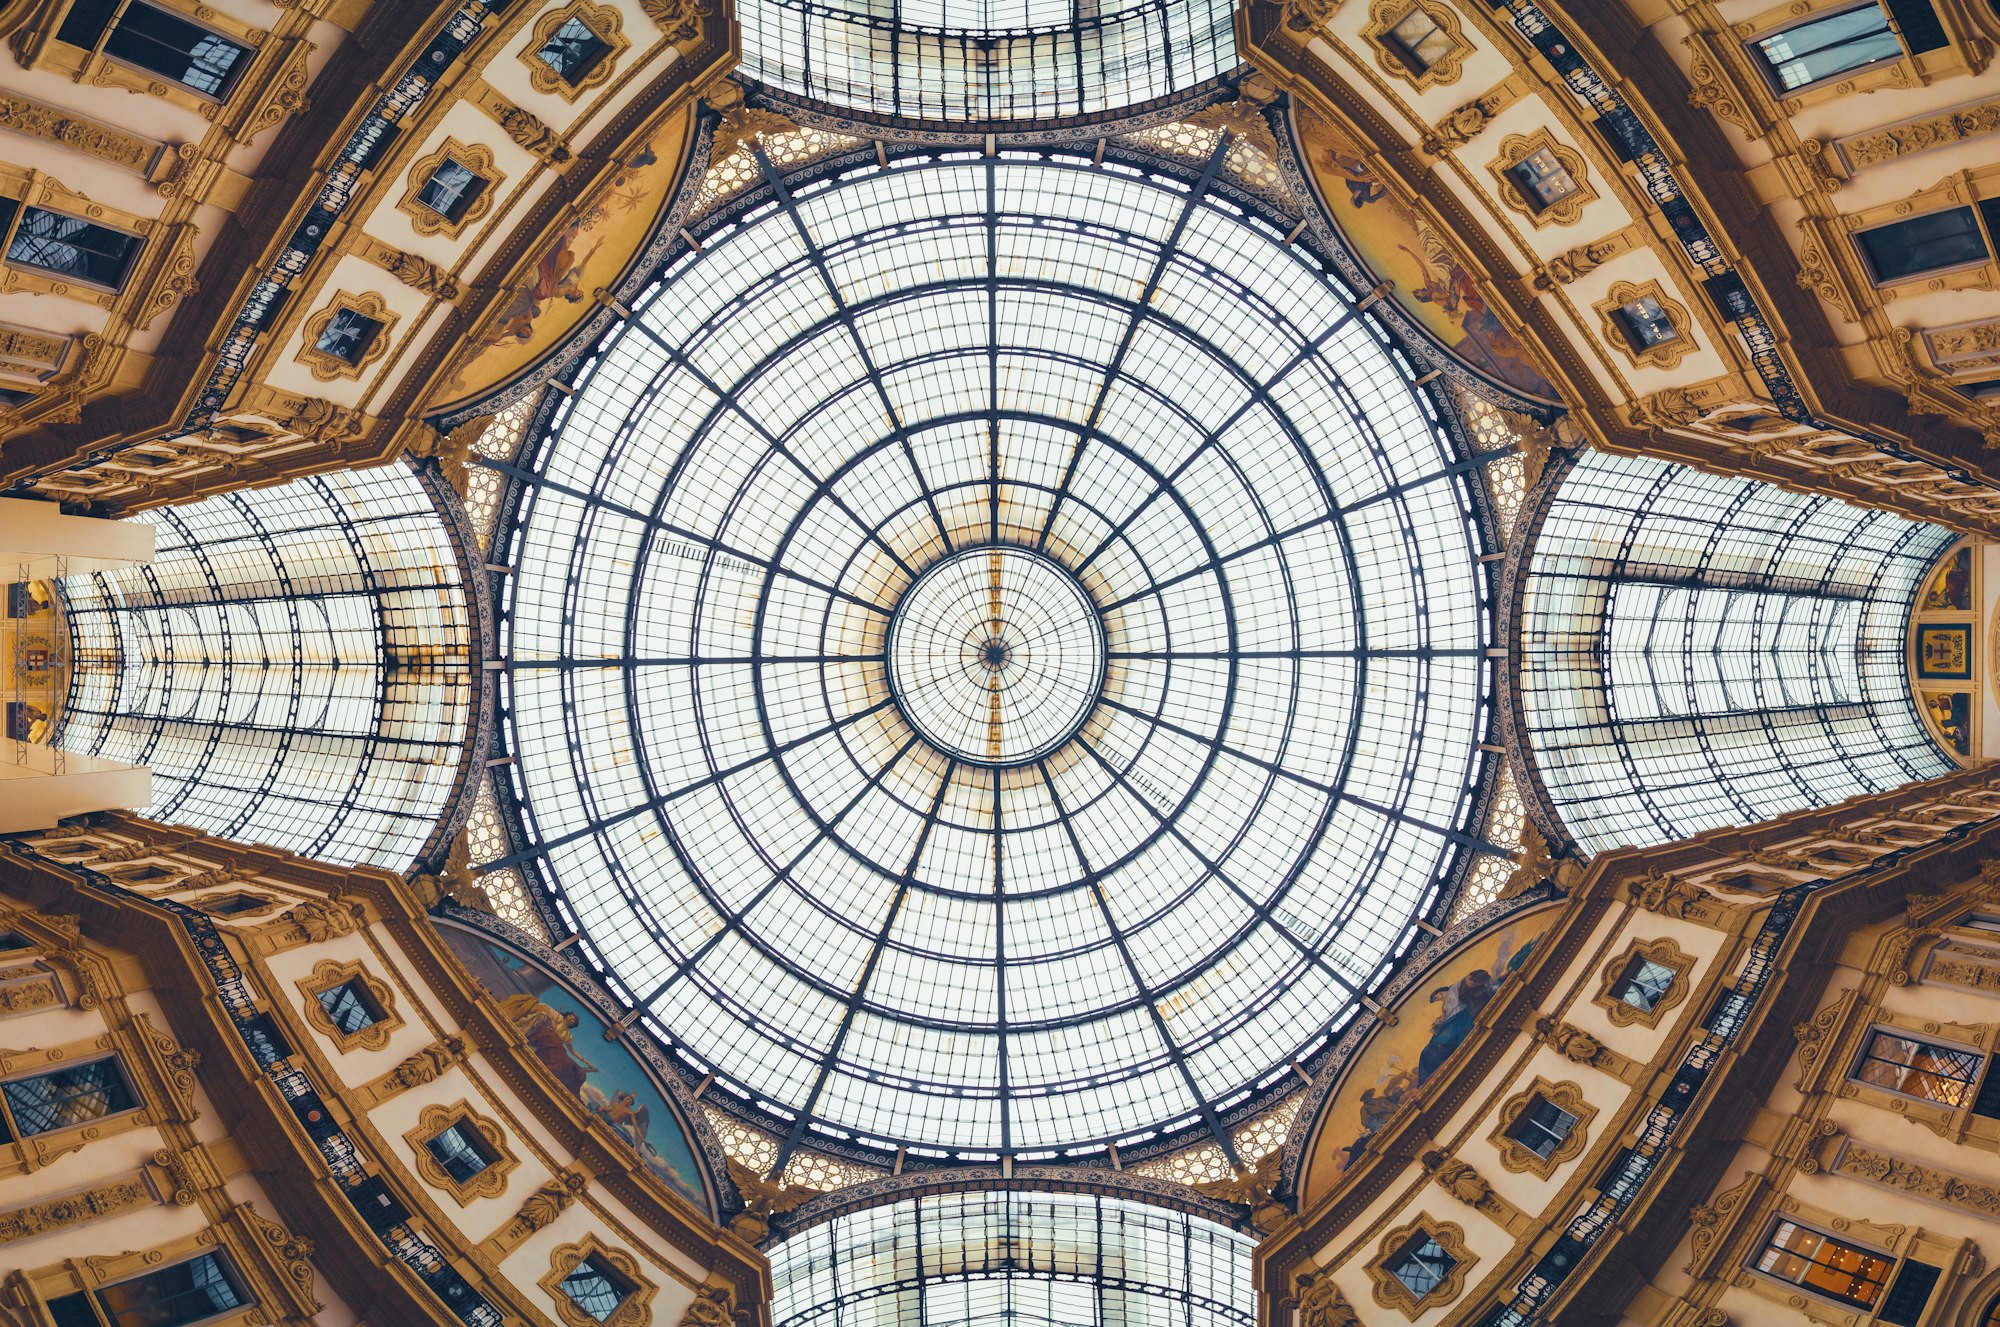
(291, 666)
(986, 60)
(1013, 1257)
(1701, 651)
(882, 939)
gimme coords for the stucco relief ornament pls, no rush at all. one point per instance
(547, 1203)
(1570, 1042)
(1322, 1305)
(1457, 1178)
(1252, 1187)
(1305, 16)
(678, 19)
(426, 1065)
(1464, 124)
(713, 1307)
(321, 919)
(1670, 896)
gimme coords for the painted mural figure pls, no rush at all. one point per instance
(548, 1036)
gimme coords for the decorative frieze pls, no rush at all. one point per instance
(73, 1209)
(1877, 146)
(1938, 1185)
(53, 124)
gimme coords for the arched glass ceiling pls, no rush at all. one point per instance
(1036, 1259)
(996, 656)
(292, 666)
(986, 60)
(1702, 652)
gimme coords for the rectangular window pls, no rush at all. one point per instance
(350, 1007)
(68, 246)
(1929, 243)
(1418, 41)
(1421, 1265)
(12, 940)
(1542, 1127)
(573, 50)
(1646, 323)
(186, 1292)
(461, 1150)
(1944, 1074)
(1821, 1263)
(157, 41)
(1909, 1293)
(451, 189)
(1826, 47)
(595, 1288)
(68, 1097)
(1542, 178)
(237, 904)
(1644, 984)
(348, 335)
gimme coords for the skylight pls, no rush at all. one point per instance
(997, 657)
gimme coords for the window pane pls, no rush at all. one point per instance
(348, 335)
(451, 190)
(1422, 1265)
(1646, 984)
(1828, 46)
(592, 1289)
(456, 1151)
(348, 1007)
(183, 1293)
(1923, 244)
(1542, 1127)
(1647, 323)
(1943, 1074)
(68, 1097)
(71, 247)
(1818, 1262)
(174, 48)
(1419, 40)
(573, 50)
(1544, 180)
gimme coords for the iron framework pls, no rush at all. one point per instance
(1013, 1257)
(293, 666)
(989, 62)
(1702, 651)
(876, 945)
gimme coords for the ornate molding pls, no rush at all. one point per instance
(73, 1209)
(327, 975)
(1564, 211)
(1891, 142)
(604, 23)
(1391, 1293)
(634, 1310)
(1662, 951)
(1517, 1156)
(53, 124)
(1447, 68)
(489, 1182)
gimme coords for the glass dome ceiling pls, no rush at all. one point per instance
(997, 657)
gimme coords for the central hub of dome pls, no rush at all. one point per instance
(996, 655)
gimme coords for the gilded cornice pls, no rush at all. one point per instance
(1629, 879)
(1710, 165)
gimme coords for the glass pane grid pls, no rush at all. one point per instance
(927, 920)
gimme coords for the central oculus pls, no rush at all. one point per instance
(996, 655)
